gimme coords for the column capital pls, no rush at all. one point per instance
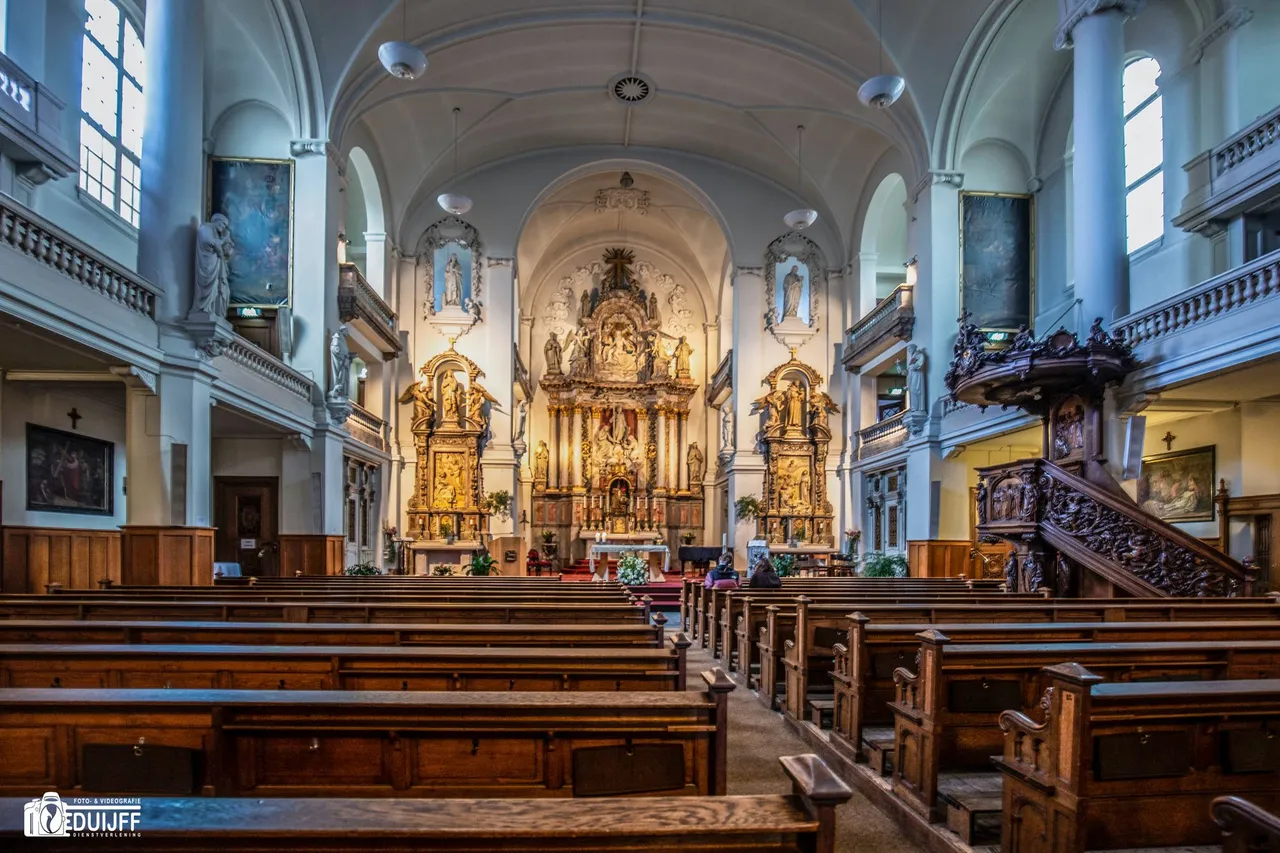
(936, 176)
(306, 147)
(1072, 12)
(756, 271)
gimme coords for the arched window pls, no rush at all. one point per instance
(1143, 153)
(111, 109)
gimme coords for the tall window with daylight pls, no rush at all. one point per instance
(1143, 153)
(111, 109)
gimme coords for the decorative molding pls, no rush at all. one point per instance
(1233, 18)
(792, 332)
(310, 147)
(1072, 12)
(211, 335)
(1035, 184)
(439, 234)
(500, 262)
(135, 376)
(622, 198)
(756, 271)
(936, 176)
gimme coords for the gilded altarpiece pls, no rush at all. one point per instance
(795, 437)
(450, 425)
(618, 392)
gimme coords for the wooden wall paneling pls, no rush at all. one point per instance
(311, 554)
(75, 558)
(939, 558)
(168, 555)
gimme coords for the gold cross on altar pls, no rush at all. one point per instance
(619, 260)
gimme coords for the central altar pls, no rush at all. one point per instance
(618, 459)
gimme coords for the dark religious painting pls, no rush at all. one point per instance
(1178, 486)
(68, 472)
(256, 196)
(997, 251)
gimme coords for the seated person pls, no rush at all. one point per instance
(765, 577)
(723, 576)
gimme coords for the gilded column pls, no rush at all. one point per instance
(682, 470)
(662, 449)
(575, 446)
(666, 452)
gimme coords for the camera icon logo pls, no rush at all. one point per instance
(45, 817)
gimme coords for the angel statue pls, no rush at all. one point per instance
(213, 256)
(477, 396)
(771, 404)
(424, 408)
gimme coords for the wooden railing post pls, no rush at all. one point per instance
(719, 686)
(821, 791)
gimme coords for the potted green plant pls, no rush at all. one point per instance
(687, 537)
(361, 570)
(784, 565)
(442, 571)
(498, 503)
(482, 565)
(881, 565)
(549, 544)
(632, 570)
(746, 508)
(446, 531)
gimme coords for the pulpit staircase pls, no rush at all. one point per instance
(1070, 527)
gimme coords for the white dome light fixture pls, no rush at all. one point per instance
(402, 60)
(455, 203)
(882, 90)
(802, 217)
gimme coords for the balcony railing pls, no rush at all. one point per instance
(31, 126)
(886, 435)
(1236, 176)
(1232, 291)
(890, 321)
(721, 380)
(367, 428)
(33, 236)
(266, 365)
(358, 301)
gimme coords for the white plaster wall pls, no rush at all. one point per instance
(246, 457)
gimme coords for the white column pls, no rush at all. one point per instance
(1095, 28)
(172, 151)
(375, 261)
(178, 414)
(318, 198)
(866, 297)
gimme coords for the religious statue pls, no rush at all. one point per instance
(584, 306)
(451, 399)
(655, 357)
(697, 465)
(1034, 571)
(794, 415)
(541, 459)
(553, 352)
(771, 404)
(453, 281)
(682, 353)
(792, 290)
(522, 410)
(1011, 572)
(476, 399)
(423, 406)
(726, 429)
(618, 351)
(580, 360)
(652, 314)
(916, 398)
(819, 405)
(339, 365)
(448, 485)
(982, 501)
(213, 255)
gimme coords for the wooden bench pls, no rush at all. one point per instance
(1115, 766)
(801, 822)
(244, 667)
(945, 715)
(824, 625)
(1246, 828)
(328, 634)
(263, 743)
(864, 667)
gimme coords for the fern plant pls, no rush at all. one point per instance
(880, 565)
(784, 565)
(747, 508)
(632, 570)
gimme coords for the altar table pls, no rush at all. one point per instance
(606, 548)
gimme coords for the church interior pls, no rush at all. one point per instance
(639, 425)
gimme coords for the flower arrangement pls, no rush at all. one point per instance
(632, 570)
(548, 536)
(852, 538)
(687, 537)
(442, 571)
(482, 565)
(498, 503)
(390, 547)
(446, 529)
(361, 570)
(747, 508)
(784, 565)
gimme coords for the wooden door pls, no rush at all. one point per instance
(248, 516)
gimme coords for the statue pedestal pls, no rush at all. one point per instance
(793, 332)
(451, 322)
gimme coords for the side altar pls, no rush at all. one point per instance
(618, 458)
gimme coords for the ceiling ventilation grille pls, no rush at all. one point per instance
(631, 89)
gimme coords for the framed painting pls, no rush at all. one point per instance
(69, 472)
(256, 196)
(997, 260)
(1179, 486)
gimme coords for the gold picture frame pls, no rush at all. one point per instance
(241, 188)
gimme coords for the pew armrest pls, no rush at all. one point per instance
(813, 780)
(906, 687)
(1027, 748)
(1244, 825)
(840, 654)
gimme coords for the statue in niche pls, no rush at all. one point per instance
(214, 247)
(453, 281)
(726, 429)
(1068, 432)
(981, 498)
(339, 365)
(794, 416)
(697, 465)
(541, 461)
(424, 408)
(553, 352)
(652, 314)
(792, 291)
(805, 484)
(584, 306)
(451, 399)
(682, 353)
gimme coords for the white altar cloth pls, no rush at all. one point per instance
(608, 548)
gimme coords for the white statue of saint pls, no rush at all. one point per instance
(917, 402)
(453, 281)
(792, 290)
(213, 255)
(523, 415)
(339, 365)
(726, 428)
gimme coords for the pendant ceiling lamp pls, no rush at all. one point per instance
(882, 90)
(801, 217)
(455, 203)
(400, 58)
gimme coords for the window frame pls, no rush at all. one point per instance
(1158, 169)
(117, 208)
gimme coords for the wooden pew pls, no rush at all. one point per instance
(801, 822)
(1246, 828)
(945, 714)
(263, 743)
(864, 667)
(824, 625)
(248, 610)
(243, 667)
(1116, 766)
(329, 634)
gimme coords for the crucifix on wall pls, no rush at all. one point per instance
(1168, 440)
(75, 417)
